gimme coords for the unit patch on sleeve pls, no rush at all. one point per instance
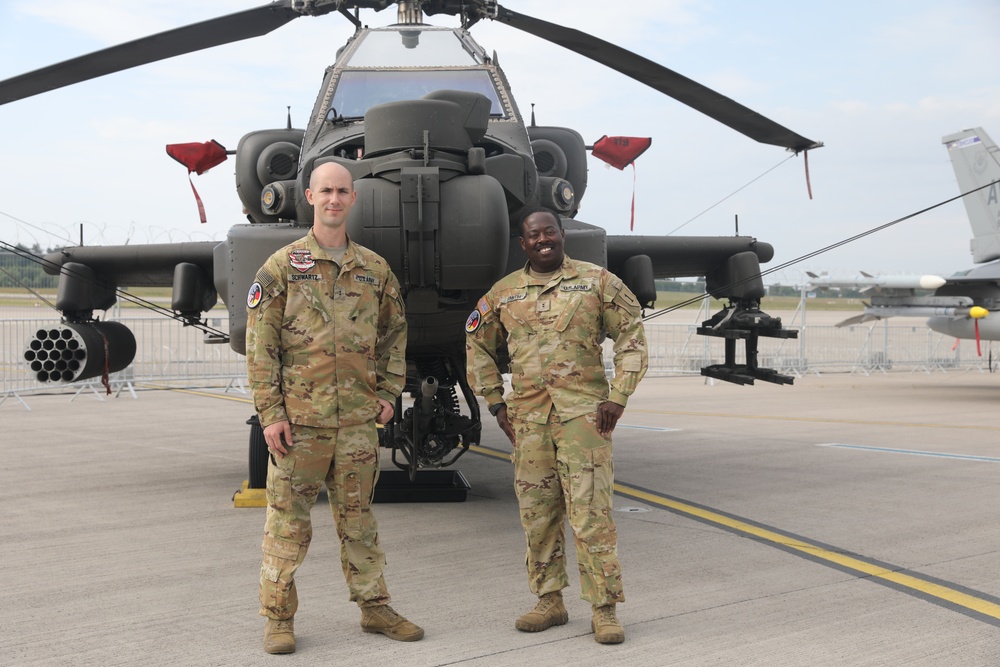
(475, 319)
(302, 260)
(254, 295)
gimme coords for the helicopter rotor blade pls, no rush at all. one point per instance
(693, 94)
(195, 37)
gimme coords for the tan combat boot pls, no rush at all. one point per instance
(279, 636)
(382, 618)
(548, 611)
(607, 629)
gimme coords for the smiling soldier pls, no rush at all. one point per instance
(553, 316)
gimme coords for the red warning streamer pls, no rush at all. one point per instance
(619, 152)
(198, 158)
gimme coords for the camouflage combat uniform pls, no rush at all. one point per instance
(323, 345)
(553, 329)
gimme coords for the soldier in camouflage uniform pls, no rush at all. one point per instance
(326, 341)
(553, 316)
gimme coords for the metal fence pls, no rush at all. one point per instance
(167, 352)
(170, 353)
(869, 348)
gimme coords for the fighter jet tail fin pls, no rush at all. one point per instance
(976, 160)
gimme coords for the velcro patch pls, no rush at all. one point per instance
(475, 319)
(296, 277)
(575, 287)
(362, 278)
(483, 306)
(513, 297)
(254, 296)
(301, 260)
(264, 278)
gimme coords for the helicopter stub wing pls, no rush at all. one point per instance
(151, 265)
(683, 256)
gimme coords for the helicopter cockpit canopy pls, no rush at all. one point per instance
(387, 65)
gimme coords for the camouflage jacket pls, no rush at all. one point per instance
(324, 345)
(553, 330)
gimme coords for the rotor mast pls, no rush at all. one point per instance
(408, 12)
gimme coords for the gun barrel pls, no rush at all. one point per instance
(428, 388)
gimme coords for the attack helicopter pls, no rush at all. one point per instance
(443, 162)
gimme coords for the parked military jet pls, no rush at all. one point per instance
(962, 303)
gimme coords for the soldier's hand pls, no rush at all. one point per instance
(504, 423)
(608, 414)
(388, 411)
(273, 435)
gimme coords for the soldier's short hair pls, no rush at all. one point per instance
(539, 209)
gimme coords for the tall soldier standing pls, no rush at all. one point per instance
(326, 343)
(553, 316)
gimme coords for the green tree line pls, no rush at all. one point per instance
(19, 271)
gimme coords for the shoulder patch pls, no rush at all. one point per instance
(475, 319)
(254, 296)
(264, 278)
(483, 306)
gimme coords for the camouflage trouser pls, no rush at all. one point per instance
(565, 469)
(346, 459)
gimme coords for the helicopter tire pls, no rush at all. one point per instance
(257, 456)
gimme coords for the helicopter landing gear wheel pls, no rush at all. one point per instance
(257, 456)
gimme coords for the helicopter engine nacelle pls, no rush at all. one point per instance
(560, 155)
(263, 158)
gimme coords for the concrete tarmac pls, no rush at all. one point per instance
(845, 520)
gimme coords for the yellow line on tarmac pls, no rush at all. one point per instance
(224, 397)
(815, 420)
(934, 592)
(928, 590)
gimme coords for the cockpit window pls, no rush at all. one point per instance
(411, 48)
(359, 90)
(404, 63)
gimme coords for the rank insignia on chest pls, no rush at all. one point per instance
(301, 260)
(254, 295)
(475, 319)
(543, 306)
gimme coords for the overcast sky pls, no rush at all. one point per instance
(878, 82)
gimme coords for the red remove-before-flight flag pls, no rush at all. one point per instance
(619, 152)
(198, 158)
